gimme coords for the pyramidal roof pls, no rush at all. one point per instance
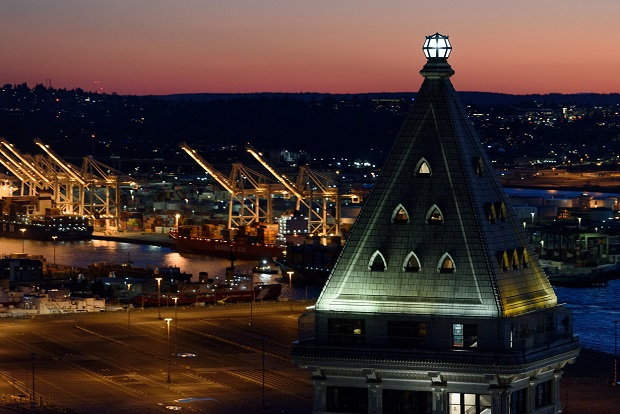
(437, 235)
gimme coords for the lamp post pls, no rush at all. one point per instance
(579, 223)
(129, 311)
(158, 297)
(532, 217)
(176, 324)
(23, 245)
(168, 325)
(54, 244)
(615, 353)
(290, 287)
(177, 217)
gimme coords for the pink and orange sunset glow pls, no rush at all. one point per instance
(336, 46)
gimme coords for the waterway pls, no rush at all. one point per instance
(594, 309)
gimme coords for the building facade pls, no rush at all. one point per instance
(437, 303)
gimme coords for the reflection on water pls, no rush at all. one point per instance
(85, 252)
(594, 309)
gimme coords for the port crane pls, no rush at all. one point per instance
(312, 190)
(69, 186)
(248, 190)
(22, 166)
(92, 190)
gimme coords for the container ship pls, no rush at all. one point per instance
(240, 289)
(311, 262)
(32, 217)
(247, 243)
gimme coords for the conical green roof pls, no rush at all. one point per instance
(437, 235)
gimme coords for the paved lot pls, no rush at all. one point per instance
(109, 362)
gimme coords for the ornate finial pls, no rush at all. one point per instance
(437, 48)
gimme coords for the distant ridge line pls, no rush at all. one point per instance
(472, 97)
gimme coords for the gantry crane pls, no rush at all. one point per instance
(69, 186)
(248, 189)
(314, 192)
(20, 165)
(102, 197)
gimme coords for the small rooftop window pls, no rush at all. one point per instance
(377, 262)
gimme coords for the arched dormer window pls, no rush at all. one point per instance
(411, 263)
(504, 263)
(514, 259)
(524, 257)
(479, 165)
(423, 167)
(500, 209)
(377, 262)
(400, 215)
(434, 215)
(491, 212)
(446, 264)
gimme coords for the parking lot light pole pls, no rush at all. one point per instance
(290, 287)
(168, 325)
(158, 297)
(176, 324)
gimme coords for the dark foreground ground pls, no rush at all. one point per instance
(73, 353)
(587, 385)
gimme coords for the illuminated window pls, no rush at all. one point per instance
(377, 262)
(446, 264)
(469, 403)
(423, 168)
(525, 258)
(504, 264)
(400, 215)
(343, 331)
(434, 215)
(491, 212)
(514, 259)
(464, 335)
(412, 263)
(501, 211)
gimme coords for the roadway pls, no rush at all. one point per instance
(118, 363)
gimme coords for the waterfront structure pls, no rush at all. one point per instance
(437, 303)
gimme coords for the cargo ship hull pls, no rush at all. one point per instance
(259, 293)
(224, 248)
(45, 230)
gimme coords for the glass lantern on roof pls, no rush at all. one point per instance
(437, 46)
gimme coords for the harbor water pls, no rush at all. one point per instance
(594, 309)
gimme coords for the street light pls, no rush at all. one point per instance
(290, 287)
(54, 244)
(158, 297)
(532, 213)
(579, 221)
(23, 233)
(168, 325)
(129, 311)
(177, 217)
(176, 324)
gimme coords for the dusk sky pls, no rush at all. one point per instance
(336, 46)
